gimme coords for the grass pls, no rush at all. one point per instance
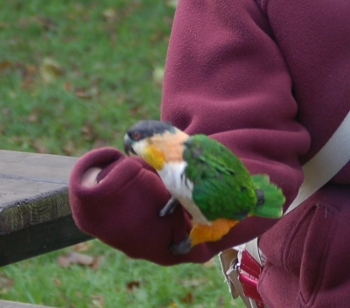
(75, 75)
(117, 281)
(105, 53)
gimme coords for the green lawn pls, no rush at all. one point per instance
(104, 54)
(113, 280)
(74, 75)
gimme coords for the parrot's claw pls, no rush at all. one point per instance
(182, 248)
(169, 207)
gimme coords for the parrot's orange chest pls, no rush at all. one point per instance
(164, 148)
(211, 233)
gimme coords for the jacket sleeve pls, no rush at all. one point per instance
(226, 77)
(117, 199)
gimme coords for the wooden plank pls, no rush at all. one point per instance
(39, 239)
(38, 167)
(33, 189)
(35, 215)
(8, 304)
(34, 210)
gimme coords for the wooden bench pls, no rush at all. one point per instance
(35, 216)
(8, 304)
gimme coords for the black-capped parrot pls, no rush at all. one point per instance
(206, 178)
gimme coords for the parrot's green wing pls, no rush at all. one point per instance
(273, 198)
(223, 187)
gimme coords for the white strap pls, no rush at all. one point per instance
(325, 164)
(253, 249)
(333, 156)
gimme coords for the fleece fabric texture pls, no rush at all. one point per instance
(270, 80)
(307, 264)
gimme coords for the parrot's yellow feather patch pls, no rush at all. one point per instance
(211, 233)
(154, 157)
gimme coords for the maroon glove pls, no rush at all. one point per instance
(117, 199)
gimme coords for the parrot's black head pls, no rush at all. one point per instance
(156, 142)
(144, 130)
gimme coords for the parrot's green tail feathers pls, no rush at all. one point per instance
(270, 198)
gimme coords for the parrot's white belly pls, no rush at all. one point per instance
(181, 188)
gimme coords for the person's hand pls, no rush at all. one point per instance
(117, 199)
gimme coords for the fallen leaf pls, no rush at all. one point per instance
(67, 86)
(29, 73)
(97, 262)
(97, 300)
(85, 246)
(158, 75)
(5, 284)
(130, 286)
(82, 93)
(75, 258)
(110, 14)
(50, 70)
(86, 129)
(188, 298)
(5, 65)
(172, 3)
(89, 131)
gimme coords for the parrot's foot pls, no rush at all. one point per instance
(169, 207)
(182, 248)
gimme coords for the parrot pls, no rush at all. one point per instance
(206, 178)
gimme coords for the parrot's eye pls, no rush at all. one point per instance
(136, 136)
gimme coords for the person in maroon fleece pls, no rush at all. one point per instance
(271, 81)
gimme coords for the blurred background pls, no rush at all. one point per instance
(74, 75)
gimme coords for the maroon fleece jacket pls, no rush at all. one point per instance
(270, 80)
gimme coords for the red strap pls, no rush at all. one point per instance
(250, 271)
(250, 265)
